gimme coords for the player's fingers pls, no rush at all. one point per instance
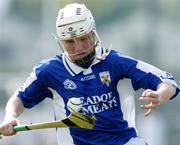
(7, 128)
(148, 99)
(18, 122)
(10, 131)
(147, 113)
(14, 123)
(150, 93)
(150, 111)
(149, 106)
(146, 91)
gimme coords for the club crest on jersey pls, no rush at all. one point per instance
(69, 84)
(105, 78)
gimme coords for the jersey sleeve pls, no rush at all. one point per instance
(144, 75)
(34, 90)
(153, 74)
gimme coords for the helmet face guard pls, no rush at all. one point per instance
(81, 50)
(75, 21)
(86, 61)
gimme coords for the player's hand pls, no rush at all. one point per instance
(6, 128)
(149, 101)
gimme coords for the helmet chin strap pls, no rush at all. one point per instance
(86, 61)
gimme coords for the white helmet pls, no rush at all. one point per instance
(75, 20)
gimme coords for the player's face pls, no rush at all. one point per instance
(80, 47)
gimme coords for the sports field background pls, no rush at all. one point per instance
(145, 29)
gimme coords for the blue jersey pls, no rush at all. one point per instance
(97, 86)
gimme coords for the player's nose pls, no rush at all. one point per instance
(79, 46)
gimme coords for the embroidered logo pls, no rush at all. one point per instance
(69, 84)
(86, 78)
(72, 32)
(70, 28)
(166, 75)
(105, 77)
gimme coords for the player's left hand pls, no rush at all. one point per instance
(149, 101)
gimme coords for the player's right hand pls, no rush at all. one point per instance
(6, 128)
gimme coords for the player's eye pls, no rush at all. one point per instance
(70, 41)
(83, 39)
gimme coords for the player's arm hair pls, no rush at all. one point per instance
(14, 108)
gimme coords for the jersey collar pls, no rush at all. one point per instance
(74, 69)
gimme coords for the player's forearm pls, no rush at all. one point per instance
(14, 108)
(165, 91)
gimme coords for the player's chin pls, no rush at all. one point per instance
(80, 56)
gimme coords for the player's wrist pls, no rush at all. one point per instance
(160, 97)
(9, 118)
(165, 92)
